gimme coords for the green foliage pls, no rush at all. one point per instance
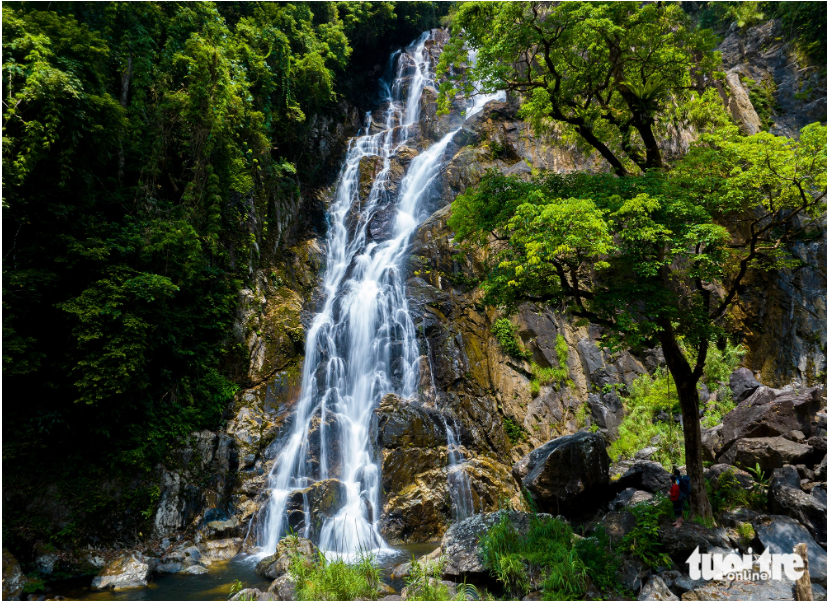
(506, 334)
(746, 533)
(149, 151)
(715, 411)
(643, 540)
(721, 363)
(513, 430)
(729, 494)
(649, 396)
(544, 553)
(541, 376)
(336, 580)
(804, 23)
(599, 559)
(425, 581)
(610, 75)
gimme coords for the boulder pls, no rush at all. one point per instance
(742, 384)
(566, 472)
(324, 498)
(741, 478)
(818, 492)
(769, 453)
(130, 569)
(736, 517)
(607, 412)
(618, 524)
(645, 475)
(711, 440)
(820, 470)
(765, 414)
(219, 550)
(13, 578)
(740, 590)
(656, 590)
(631, 573)
(252, 594)
(629, 497)
(785, 497)
(169, 567)
(460, 544)
(780, 533)
(679, 543)
(283, 589)
(290, 548)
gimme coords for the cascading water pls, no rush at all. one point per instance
(362, 344)
(462, 503)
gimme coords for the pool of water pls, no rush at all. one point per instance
(215, 584)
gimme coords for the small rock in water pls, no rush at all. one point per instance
(131, 569)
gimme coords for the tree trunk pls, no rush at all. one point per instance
(689, 400)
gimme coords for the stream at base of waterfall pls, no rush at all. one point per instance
(362, 344)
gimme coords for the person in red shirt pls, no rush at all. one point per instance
(676, 498)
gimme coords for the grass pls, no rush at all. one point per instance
(544, 554)
(649, 396)
(336, 580)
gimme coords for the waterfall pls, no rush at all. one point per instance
(362, 344)
(462, 503)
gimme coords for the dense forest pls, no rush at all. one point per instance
(141, 141)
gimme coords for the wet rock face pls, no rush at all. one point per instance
(412, 442)
(13, 578)
(324, 498)
(566, 474)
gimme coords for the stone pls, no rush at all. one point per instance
(631, 573)
(820, 470)
(679, 543)
(714, 475)
(219, 550)
(711, 440)
(169, 567)
(629, 497)
(736, 517)
(289, 549)
(46, 563)
(194, 570)
(250, 594)
(283, 588)
(780, 533)
(646, 453)
(818, 492)
(460, 544)
(818, 592)
(765, 414)
(617, 524)
(130, 569)
(769, 453)
(740, 590)
(645, 475)
(656, 590)
(566, 472)
(607, 411)
(742, 383)
(743, 113)
(324, 498)
(785, 497)
(13, 578)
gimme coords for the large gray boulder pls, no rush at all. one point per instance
(656, 590)
(645, 475)
(679, 543)
(780, 534)
(766, 414)
(283, 589)
(13, 578)
(565, 473)
(787, 498)
(742, 384)
(769, 453)
(460, 544)
(711, 440)
(130, 569)
(289, 549)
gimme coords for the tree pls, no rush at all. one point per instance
(657, 258)
(617, 74)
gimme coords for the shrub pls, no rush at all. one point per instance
(335, 580)
(721, 363)
(716, 410)
(424, 582)
(600, 562)
(730, 494)
(506, 334)
(513, 430)
(649, 396)
(643, 541)
(545, 554)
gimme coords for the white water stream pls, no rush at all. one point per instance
(362, 344)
